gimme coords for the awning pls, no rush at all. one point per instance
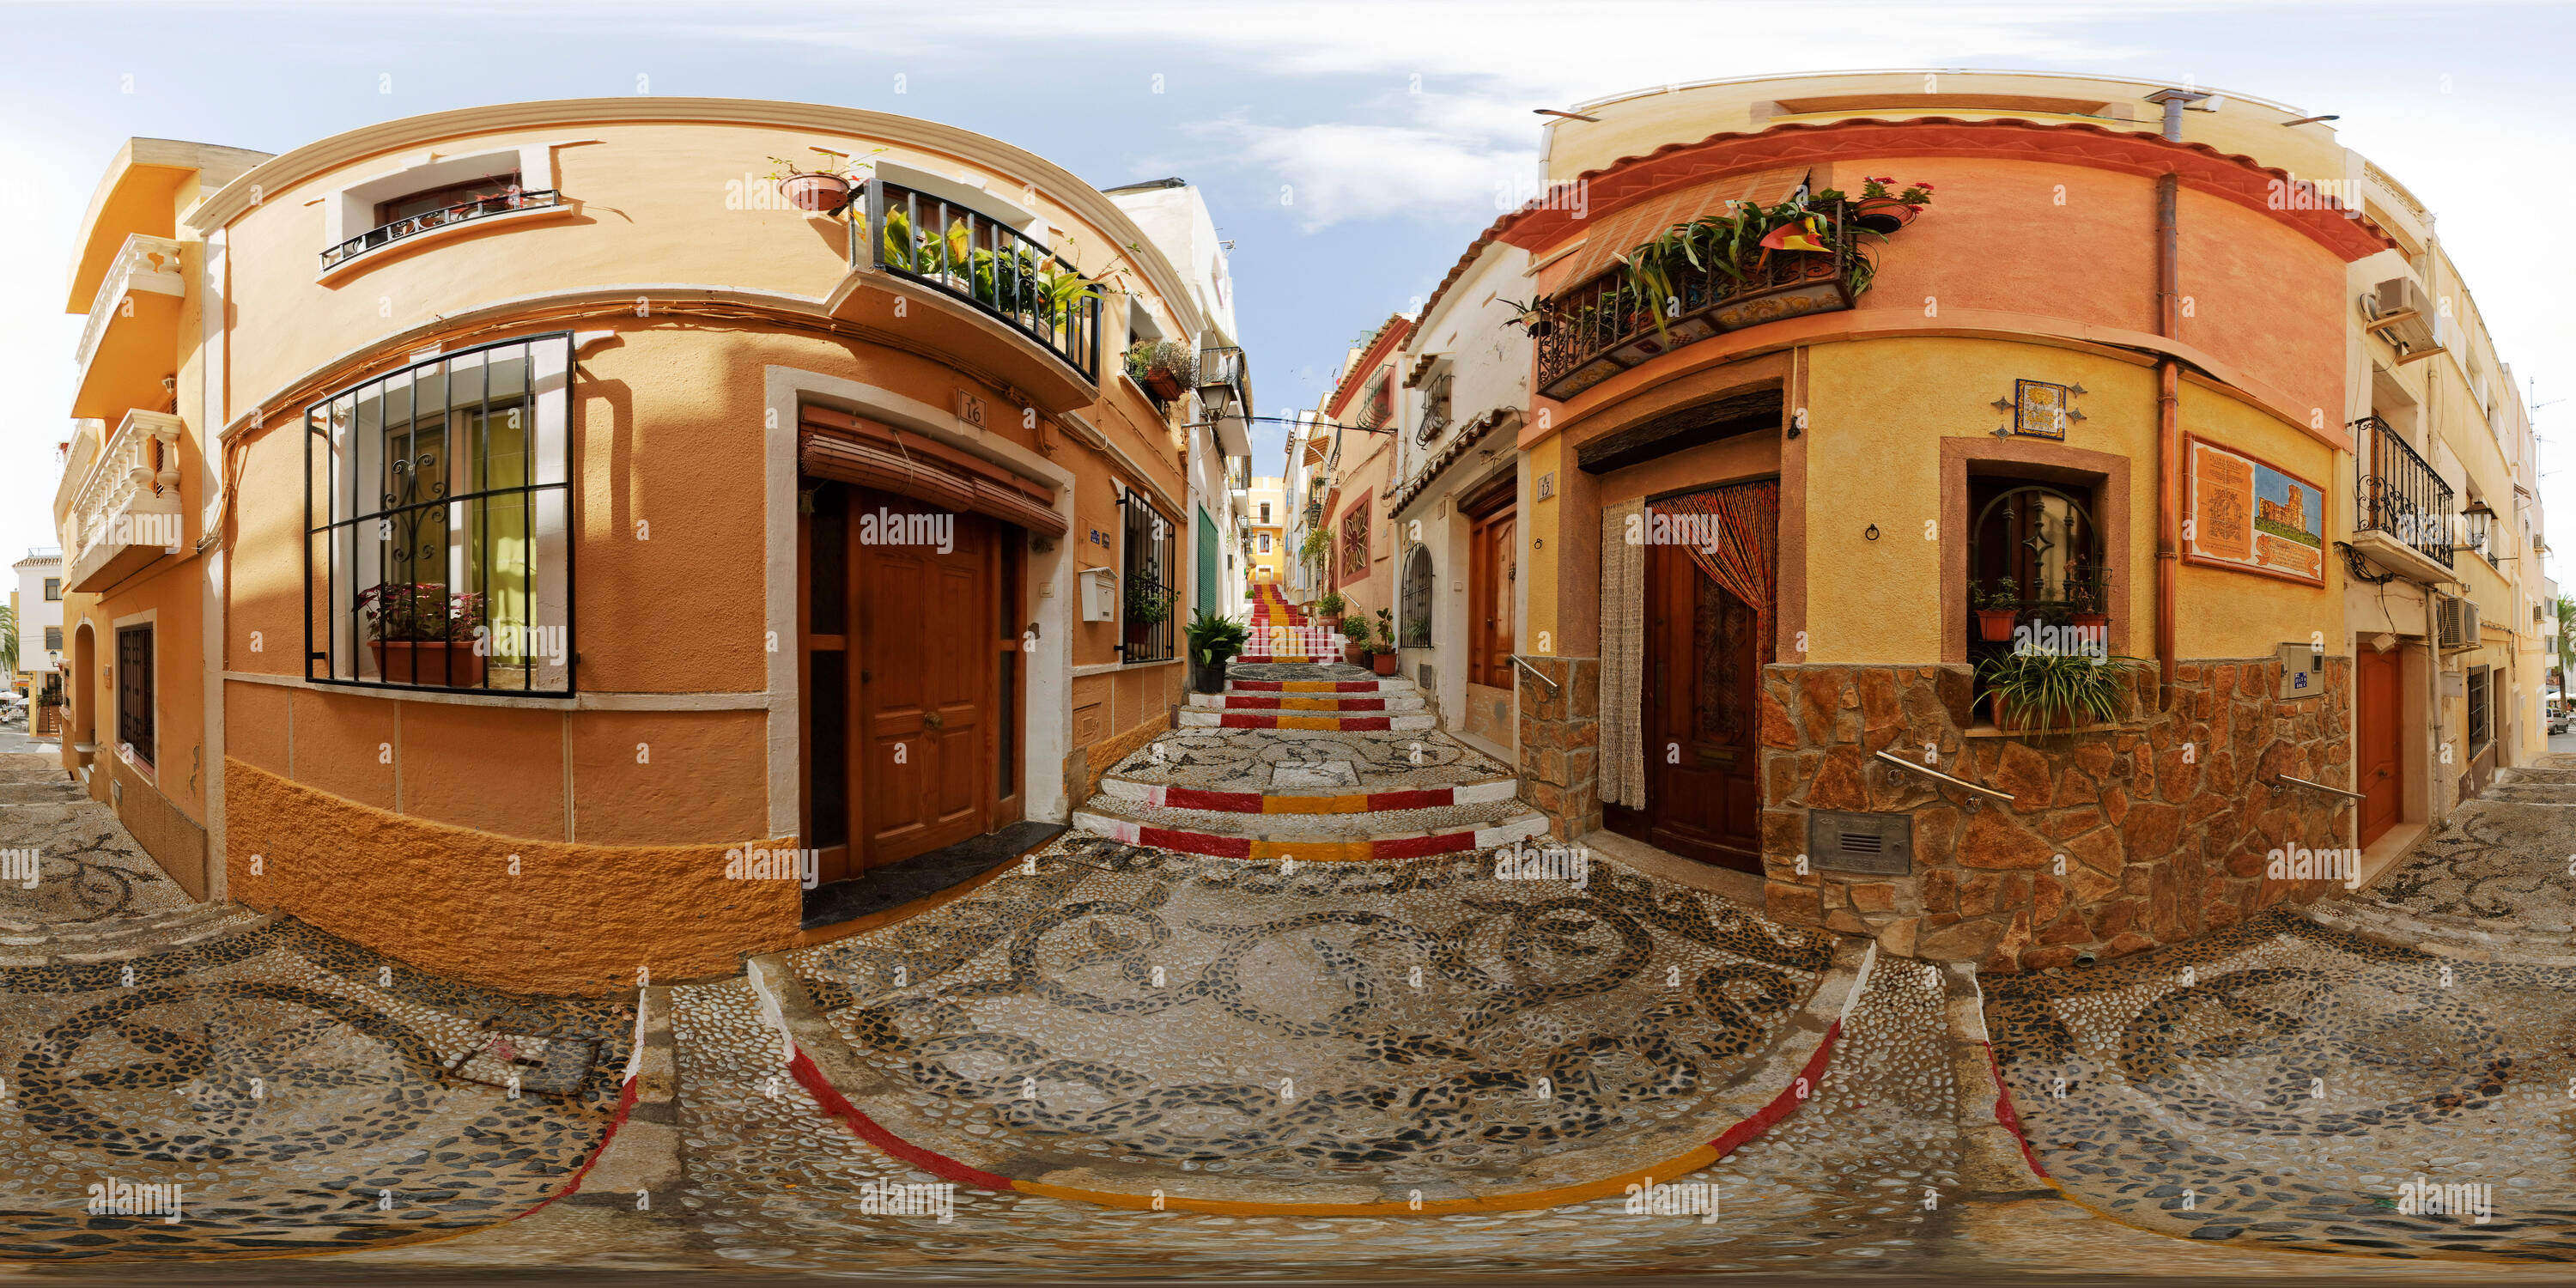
(852, 449)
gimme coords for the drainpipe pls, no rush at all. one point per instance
(2168, 398)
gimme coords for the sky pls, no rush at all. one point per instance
(1349, 150)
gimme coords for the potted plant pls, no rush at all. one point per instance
(1148, 603)
(1533, 316)
(421, 634)
(2043, 689)
(1996, 611)
(1166, 368)
(1355, 630)
(1382, 645)
(1417, 633)
(1214, 639)
(1881, 209)
(1328, 609)
(824, 187)
(2091, 593)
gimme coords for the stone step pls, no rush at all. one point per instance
(130, 937)
(1203, 718)
(1386, 684)
(1318, 703)
(1165, 796)
(1377, 835)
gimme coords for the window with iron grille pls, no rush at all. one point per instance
(1150, 558)
(1355, 541)
(438, 516)
(53, 639)
(2481, 711)
(54, 585)
(134, 692)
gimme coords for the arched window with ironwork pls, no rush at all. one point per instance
(2035, 549)
(1414, 596)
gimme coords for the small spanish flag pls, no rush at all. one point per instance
(1798, 234)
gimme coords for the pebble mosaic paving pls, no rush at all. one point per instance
(1312, 761)
(2499, 865)
(2286, 1084)
(1371, 1029)
(90, 872)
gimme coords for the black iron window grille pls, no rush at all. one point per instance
(134, 728)
(471, 208)
(438, 525)
(1149, 558)
(1435, 410)
(2397, 493)
(2481, 727)
(969, 255)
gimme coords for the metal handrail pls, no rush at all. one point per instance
(1553, 688)
(2278, 779)
(1929, 772)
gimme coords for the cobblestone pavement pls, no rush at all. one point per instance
(289, 1085)
(89, 870)
(2293, 1085)
(2498, 879)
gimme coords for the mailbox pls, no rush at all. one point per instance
(1100, 594)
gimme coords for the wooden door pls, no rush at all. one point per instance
(2382, 784)
(1492, 567)
(1703, 661)
(925, 688)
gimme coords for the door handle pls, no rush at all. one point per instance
(931, 720)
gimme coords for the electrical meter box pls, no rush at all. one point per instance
(2303, 671)
(1099, 594)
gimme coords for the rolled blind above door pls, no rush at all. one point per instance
(853, 449)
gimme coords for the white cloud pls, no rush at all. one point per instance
(1329, 173)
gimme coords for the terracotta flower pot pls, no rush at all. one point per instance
(1995, 624)
(1165, 385)
(427, 662)
(2005, 714)
(825, 193)
(2090, 621)
(1884, 214)
(1382, 663)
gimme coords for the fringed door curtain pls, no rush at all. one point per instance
(1743, 558)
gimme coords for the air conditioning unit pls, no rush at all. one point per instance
(2399, 312)
(2459, 622)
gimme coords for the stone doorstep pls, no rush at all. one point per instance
(1165, 796)
(643, 1153)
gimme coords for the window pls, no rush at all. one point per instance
(1149, 558)
(2481, 725)
(419, 210)
(53, 588)
(53, 639)
(1265, 541)
(134, 692)
(438, 513)
(1265, 512)
(1355, 541)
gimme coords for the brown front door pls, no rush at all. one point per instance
(1492, 565)
(905, 710)
(2376, 688)
(1703, 659)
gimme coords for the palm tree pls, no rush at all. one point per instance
(9, 640)
(2566, 637)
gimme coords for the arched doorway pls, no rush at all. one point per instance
(80, 705)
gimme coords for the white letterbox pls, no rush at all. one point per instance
(1099, 594)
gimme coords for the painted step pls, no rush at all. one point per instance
(1319, 703)
(1203, 718)
(1264, 659)
(1314, 838)
(1386, 684)
(1163, 796)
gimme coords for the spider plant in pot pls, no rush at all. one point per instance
(2040, 690)
(1355, 631)
(1533, 316)
(1996, 611)
(825, 186)
(1214, 639)
(421, 634)
(1382, 646)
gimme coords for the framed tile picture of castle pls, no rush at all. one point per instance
(2243, 513)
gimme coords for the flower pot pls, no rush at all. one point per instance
(1164, 384)
(1354, 655)
(823, 193)
(2089, 621)
(1382, 663)
(1995, 624)
(1210, 676)
(1884, 214)
(427, 662)
(2005, 714)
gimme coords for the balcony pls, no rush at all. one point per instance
(1225, 398)
(463, 212)
(1599, 328)
(1003, 275)
(2401, 508)
(126, 512)
(132, 337)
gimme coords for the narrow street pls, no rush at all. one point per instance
(1166, 1043)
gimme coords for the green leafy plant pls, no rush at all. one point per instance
(1215, 637)
(1329, 604)
(2039, 689)
(1316, 547)
(8, 640)
(1356, 630)
(423, 612)
(1384, 640)
(1149, 603)
(1417, 633)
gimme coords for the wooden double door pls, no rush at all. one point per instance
(1703, 660)
(911, 677)
(1493, 569)
(2377, 765)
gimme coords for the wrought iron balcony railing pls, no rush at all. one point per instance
(413, 225)
(2397, 493)
(1599, 328)
(969, 255)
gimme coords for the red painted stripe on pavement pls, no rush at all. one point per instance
(1415, 847)
(1204, 798)
(1789, 1099)
(866, 1129)
(1223, 847)
(2004, 1112)
(625, 1106)
(1418, 798)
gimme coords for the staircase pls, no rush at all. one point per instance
(1314, 763)
(1281, 633)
